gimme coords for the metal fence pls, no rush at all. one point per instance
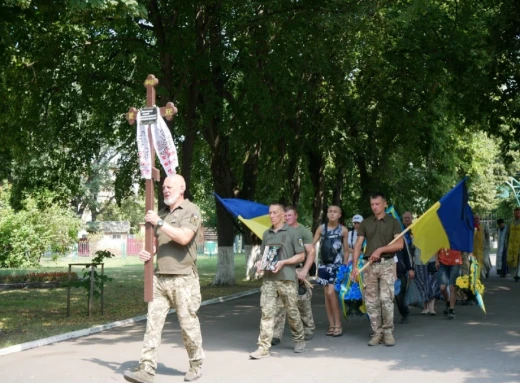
(132, 247)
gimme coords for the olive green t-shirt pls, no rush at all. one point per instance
(172, 257)
(305, 235)
(307, 239)
(378, 233)
(291, 243)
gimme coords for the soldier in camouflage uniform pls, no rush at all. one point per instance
(304, 293)
(279, 281)
(379, 230)
(175, 283)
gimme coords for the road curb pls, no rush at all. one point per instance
(97, 329)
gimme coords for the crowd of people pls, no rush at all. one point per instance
(289, 262)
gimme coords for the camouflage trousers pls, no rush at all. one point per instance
(181, 292)
(379, 295)
(271, 291)
(305, 309)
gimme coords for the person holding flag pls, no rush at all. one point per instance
(380, 230)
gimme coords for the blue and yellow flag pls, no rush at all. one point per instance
(254, 215)
(391, 211)
(447, 224)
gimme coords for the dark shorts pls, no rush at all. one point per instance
(448, 274)
(327, 274)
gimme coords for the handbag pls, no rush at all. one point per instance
(413, 295)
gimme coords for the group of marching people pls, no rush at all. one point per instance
(362, 268)
(392, 264)
(375, 239)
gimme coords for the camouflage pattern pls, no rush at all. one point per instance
(378, 291)
(181, 292)
(272, 292)
(305, 309)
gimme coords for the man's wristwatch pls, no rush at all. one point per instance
(160, 223)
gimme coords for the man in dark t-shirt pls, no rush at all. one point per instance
(379, 231)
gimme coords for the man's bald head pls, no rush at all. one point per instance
(173, 190)
(178, 180)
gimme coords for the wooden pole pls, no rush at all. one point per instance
(393, 241)
(68, 291)
(150, 84)
(91, 294)
(308, 284)
(169, 111)
(102, 289)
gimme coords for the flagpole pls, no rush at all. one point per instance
(433, 209)
(391, 243)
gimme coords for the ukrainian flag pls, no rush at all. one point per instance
(391, 211)
(254, 215)
(447, 224)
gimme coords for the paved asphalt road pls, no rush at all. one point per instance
(473, 348)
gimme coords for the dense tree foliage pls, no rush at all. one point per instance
(309, 103)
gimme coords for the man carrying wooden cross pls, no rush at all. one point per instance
(175, 283)
(171, 235)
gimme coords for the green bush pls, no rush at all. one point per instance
(41, 225)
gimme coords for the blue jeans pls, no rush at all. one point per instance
(448, 274)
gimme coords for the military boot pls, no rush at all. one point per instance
(194, 372)
(260, 353)
(308, 336)
(139, 376)
(389, 339)
(299, 347)
(376, 339)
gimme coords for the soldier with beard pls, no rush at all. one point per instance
(175, 283)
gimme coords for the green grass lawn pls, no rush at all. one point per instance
(31, 314)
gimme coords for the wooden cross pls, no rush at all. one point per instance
(168, 112)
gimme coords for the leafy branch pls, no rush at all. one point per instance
(99, 279)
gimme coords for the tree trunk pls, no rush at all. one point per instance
(225, 266)
(253, 255)
(247, 192)
(316, 170)
(189, 137)
(194, 97)
(215, 135)
(293, 177)
(223, 181)
(337, 191)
